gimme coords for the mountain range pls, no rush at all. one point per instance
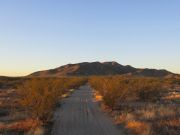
(98, 68)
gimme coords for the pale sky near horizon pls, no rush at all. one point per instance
(44, 34)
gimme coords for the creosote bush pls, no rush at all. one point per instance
(39, 96)
(116, 89)
(138, 103)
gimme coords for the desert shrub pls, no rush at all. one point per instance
(149, 89)
(97, 83)
(150, 92)
(117, 89)
(39, 96)
(111, 88)
(10, 82)
(136, 103)
(75, 82)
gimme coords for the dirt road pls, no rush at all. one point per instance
(80, 115)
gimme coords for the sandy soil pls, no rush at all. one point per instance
(80, 115)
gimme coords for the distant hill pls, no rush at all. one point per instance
(98, 68)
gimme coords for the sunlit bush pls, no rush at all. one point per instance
(121, 89)
(138, 103)
(39, 96)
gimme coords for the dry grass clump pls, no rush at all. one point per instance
(23, 125)
(139, 128)
(167, 127)
(97, 96)
(150, 119)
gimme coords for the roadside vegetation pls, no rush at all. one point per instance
(143, 105)
(39, 96)
(35, 99)
(140, 104)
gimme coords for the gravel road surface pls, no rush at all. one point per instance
(80, 115)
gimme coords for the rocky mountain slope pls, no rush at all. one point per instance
(98, 68)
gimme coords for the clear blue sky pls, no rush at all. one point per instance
(43, 34)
